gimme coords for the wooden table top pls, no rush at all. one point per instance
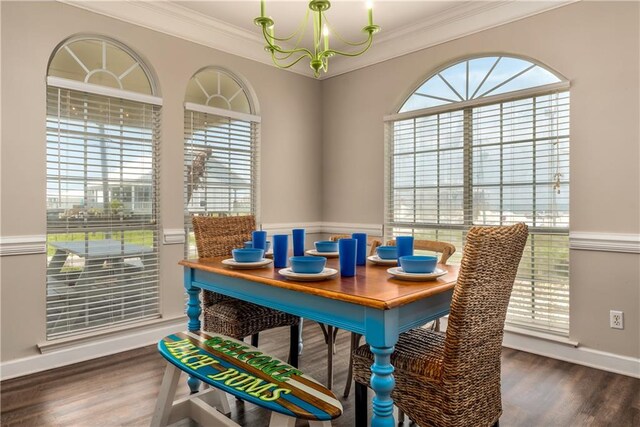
(372, 286)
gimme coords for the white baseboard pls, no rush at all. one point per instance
(585, 356)
(564, 349)
(103, 347)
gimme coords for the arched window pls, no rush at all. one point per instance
(485, 141)
(220, 148)
(103, 129)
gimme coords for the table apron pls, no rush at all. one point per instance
(341, 314)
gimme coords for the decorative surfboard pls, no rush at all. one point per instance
(248, 373)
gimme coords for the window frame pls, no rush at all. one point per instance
(84, 90)
(466, 108)
(254, 121)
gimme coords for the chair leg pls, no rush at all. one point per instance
(300, 343)
(361, 405)
(293, 345)
(400, 416)
(496, 424)
(335, 334)
(355, 342)
(330, 337)
(323, 328)
(254, 339)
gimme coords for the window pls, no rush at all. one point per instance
(220, 149)
(486, 142)
(102, 212)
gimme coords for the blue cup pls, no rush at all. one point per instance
(298, 241)
(248, 244)
(347, 251)
(404, 245)
(259, 240)
(280, 250)
(361, 249)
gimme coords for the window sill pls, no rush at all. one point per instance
(107, 333)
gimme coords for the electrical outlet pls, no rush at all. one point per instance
(616, 319)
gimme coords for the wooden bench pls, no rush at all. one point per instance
(230, 366)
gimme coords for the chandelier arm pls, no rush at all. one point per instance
(342, 39)
(330, 52)
(302, 27)
(287, 56)
(275, 61)
(278, 49)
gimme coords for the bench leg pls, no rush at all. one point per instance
(165, 397)
(216, 398)
(281, 420)
(196, 408)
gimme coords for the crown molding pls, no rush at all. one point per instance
(176, 20)
(460, 20)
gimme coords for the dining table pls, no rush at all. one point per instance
(371, 303)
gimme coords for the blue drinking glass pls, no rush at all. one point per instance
(361, 249)
(298, 241)
(259, 240)
(347, 252)
(404, 245)
(280, 250)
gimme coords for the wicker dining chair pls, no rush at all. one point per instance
(444, 248)
(453, 378)
(218, 236)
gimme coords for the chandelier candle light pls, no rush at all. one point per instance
(320, 53)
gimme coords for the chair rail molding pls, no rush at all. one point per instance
(173, 236)
(286, 227)
(23, 245)
(605, 242)
(324, 227)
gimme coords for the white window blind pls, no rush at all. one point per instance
(221, 161)
(102, 211)
(491, 164)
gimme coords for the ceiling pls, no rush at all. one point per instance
(407, 26)
(347, 16)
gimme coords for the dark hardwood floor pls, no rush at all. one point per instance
(121, 390)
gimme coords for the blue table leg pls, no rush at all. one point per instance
(193, 311)
(382, 382)
(382, 335)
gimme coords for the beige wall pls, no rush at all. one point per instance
(291, 139)
(596, 46)
(341, 155)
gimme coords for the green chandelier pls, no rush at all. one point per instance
(320, 53)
